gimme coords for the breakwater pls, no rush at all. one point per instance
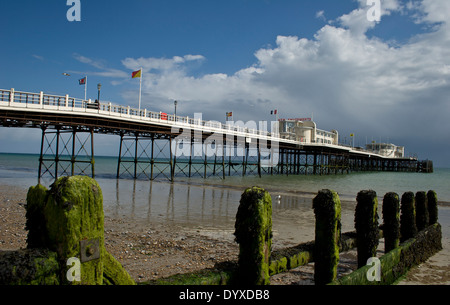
(253, 226)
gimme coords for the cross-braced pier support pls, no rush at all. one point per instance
(150, 156)
(66, 151)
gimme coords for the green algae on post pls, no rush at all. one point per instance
(391, 225)
(327, 208)
(432, 207)
(74, 213)
(408, 228)
(422, 218)
(366, 225)
(254, 236)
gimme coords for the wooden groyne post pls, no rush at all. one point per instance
(422, 218)
(65, 243)
(408, 228)
(327, 208)
(391, 221)
(254, 236)
(366, 225)
(432, 207)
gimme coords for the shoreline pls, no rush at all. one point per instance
(156, 250)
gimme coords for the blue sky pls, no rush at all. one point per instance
(385, 80)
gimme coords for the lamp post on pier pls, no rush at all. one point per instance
(175, 104)
(99, 86)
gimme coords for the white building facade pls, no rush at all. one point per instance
(304, 130)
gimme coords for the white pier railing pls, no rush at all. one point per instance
(67, 104)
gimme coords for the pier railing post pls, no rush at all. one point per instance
(366, 225)
(408, 228)
(254, 236)
(391, 218)
(11, 96)
(327, 208)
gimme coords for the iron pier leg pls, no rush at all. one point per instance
(120, 154)
(58, 134)
(72, 160)
(152, 161)
(171, 160)
(190, 155)
(136, 154)
(92, 153)
(223, 158)
(41, 157)
(259, 159)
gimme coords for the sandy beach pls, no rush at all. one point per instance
(151, 251)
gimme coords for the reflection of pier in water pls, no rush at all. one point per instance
(175, 203)
(202, 207)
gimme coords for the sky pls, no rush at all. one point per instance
(382, 79)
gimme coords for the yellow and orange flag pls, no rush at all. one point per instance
(136, 74)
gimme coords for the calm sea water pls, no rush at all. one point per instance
(213, 202)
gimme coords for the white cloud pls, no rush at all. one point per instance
(321, 15)
(102, 69)
(161, 64)
(350, 82)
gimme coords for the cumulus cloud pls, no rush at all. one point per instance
(350, 82)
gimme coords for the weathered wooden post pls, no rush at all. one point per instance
(391, 225)
(408, 227)
(327, 208)
(254, 236)
(68, 220)
(422, 218)
(432, 207)
(366, 225)
(73, 225)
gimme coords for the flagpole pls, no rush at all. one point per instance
(140, 92)
(85, 88)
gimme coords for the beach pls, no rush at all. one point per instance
(152, 245)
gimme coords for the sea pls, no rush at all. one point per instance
(209, 205)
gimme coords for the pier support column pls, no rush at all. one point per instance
(63, 152)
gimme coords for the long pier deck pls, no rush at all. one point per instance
(155, 144)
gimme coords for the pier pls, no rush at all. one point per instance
(157, 145)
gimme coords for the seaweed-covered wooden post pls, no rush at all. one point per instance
(74, 223)
(408, 228)
(391, 225)
(68, 220)
(327, 208)
(254, 236)
(366, 225)
(422, 218)
(432, 207)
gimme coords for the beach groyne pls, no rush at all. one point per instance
(66, 242)
(401, 254)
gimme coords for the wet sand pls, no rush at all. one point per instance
(158, 240)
